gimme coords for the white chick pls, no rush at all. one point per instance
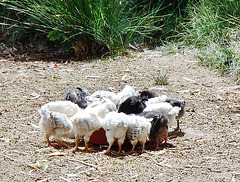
(101, 107)
(138, 131)
(98, 95)
(55, 124)
(84, 124)
(64, 107)
(127, 92)
(115, 125)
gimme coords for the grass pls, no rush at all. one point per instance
(161, 79)
(211, 27)
(212, 30)
(88, 26)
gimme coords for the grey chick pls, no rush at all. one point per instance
(77, 96)
(159, 127)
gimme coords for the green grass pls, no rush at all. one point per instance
(211, 27)
(86, 25)
(212, 30)
(161, 79)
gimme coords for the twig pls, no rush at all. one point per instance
(87, 164)
(92, 76)
(235, 132)
(159, 164)
(65, 179)
(184, 148)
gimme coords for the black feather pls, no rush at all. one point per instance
(133, 105)
(148, 94)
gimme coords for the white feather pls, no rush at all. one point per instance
(115, 125)
(170, 111)
(64, 107)
(127, 92)
(156, 100)
(98, 95)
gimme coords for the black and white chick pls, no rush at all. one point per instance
(180, 104)
(77, 96)
(159, 127)
(138, 131)
(133, 105)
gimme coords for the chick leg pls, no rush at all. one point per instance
(143, 147)
(166, 137)
(77, 140)
(48, 141)
(178, 126)
(109, 148)
(133, 148)
(62, 143)
(120, 147)
(86, 145)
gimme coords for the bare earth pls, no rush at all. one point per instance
(208, 150)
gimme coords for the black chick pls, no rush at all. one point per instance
(133, 105)
(159, 127)
(77, 96)
(148, 93)
(180, 104)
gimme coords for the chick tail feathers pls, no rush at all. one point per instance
(173, 113)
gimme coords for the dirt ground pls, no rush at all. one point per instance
(207, 150)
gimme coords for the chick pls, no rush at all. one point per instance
(148, 93)
(138, 131)
(84, 124)
(115, 125)
(159, 127)
(166, 108)
(133, 105)
(77, 96)
(55, 124)
(177, 103)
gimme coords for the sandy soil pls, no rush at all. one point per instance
(207, 150)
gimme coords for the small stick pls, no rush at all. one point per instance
(235, 132)
(185, 148)
(159, 164)
(87, 164)
(65, 179)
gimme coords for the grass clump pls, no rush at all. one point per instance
(88, 26)
(161, 79)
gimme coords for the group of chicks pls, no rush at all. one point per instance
(130, 114)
